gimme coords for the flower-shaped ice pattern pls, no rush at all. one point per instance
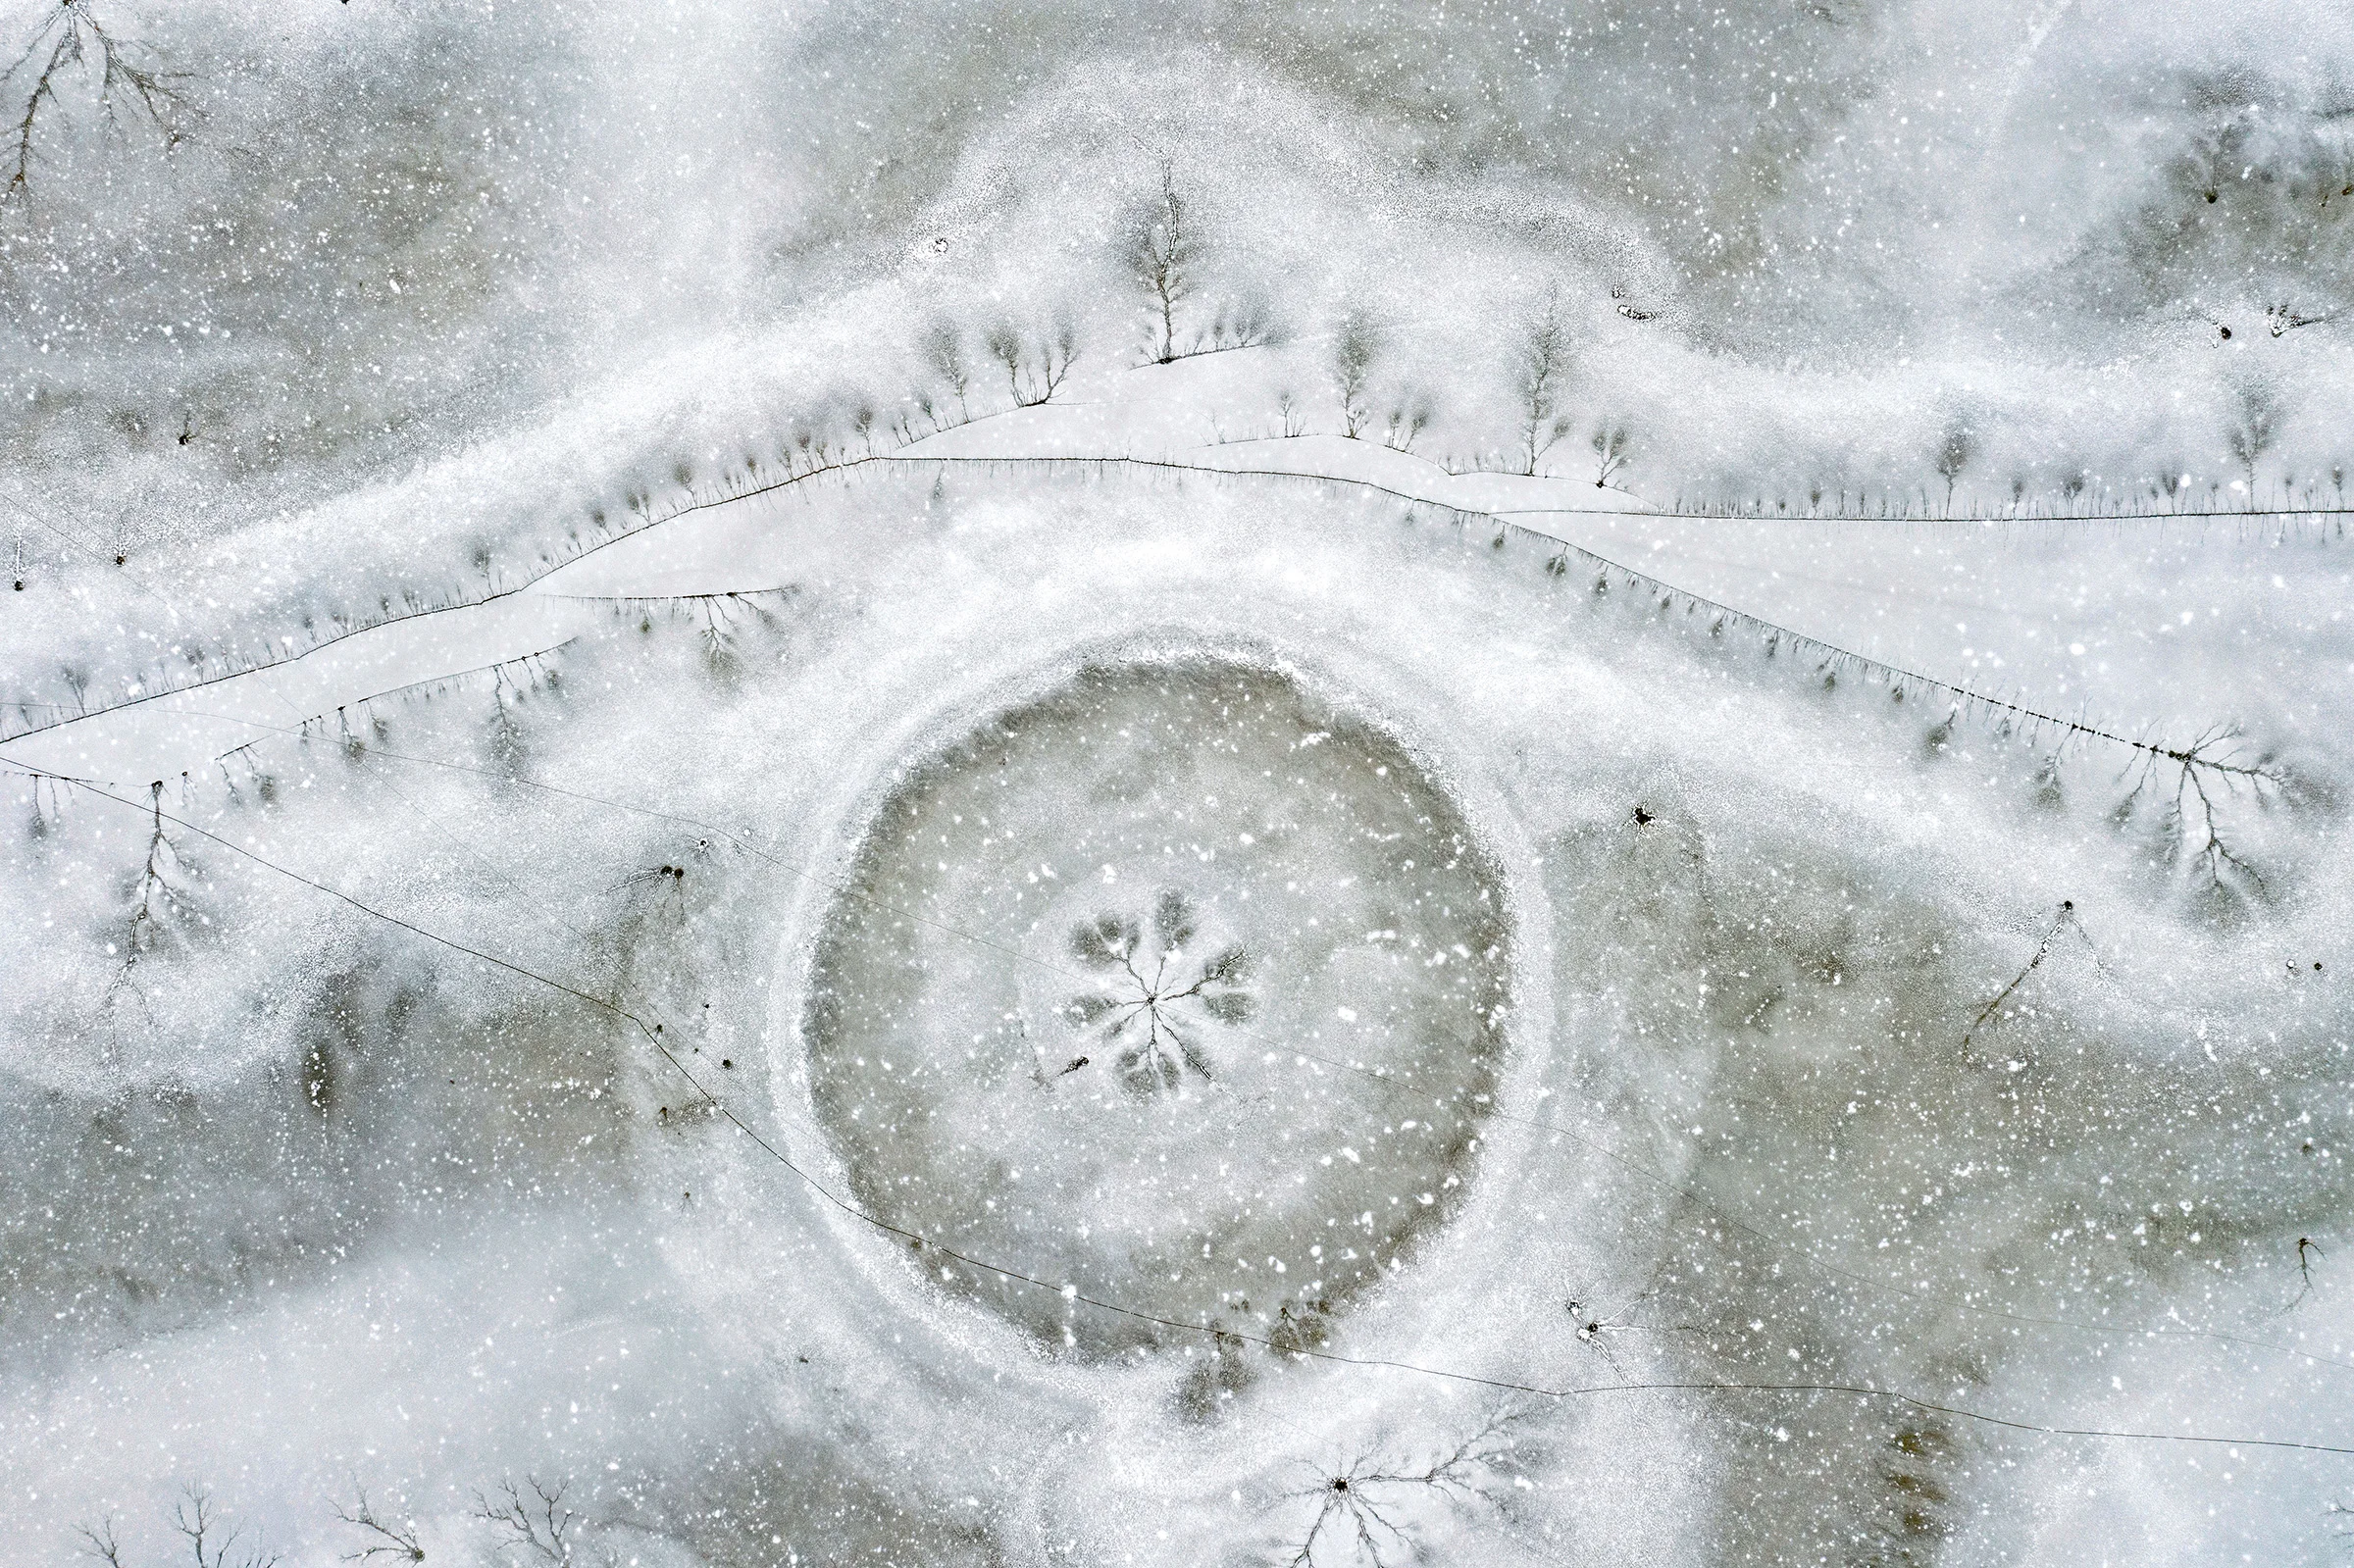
(1153, 995)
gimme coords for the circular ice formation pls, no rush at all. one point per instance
(1176, 987)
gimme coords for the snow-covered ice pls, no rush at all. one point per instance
(937, 784)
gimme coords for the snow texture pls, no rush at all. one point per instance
(1237, 880)
(1016, 785)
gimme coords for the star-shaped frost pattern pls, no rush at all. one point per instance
(1155, 998)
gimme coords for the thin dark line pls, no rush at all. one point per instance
(62, 533)
(666, 598)
(385, 694)
(1956, 1411)
(1734, 511)
(1717, 514)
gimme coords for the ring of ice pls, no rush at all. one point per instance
(1178, 986)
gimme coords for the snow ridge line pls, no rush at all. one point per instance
(437, 681)
(2202, 755)
(1736, 512)
(2209, 755)
(377, 623)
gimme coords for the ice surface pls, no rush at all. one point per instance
(534, 528)
(1212, 881)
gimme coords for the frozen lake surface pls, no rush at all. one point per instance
(942, 784)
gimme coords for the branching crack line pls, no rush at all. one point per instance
(2209, 765)
(1361, 1506)
(381, 1540)
(72, 34)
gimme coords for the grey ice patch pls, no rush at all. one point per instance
(1115, 989)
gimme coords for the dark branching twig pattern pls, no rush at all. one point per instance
(74, 37)
(1364, 1508)
(2307, 1251)
(1149, 1007)
(159, 897)
(100, 1543)
(1162, 250)
(2210, 770)
(382, 1540)
(1595, 1327)
(1033, 382)
(540, 1524)
(193, 1518)
(155, 881)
